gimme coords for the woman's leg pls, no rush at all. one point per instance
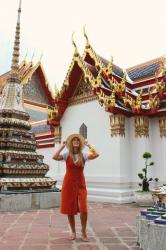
(71, 220)
(83, 218)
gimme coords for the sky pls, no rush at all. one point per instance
(132, 31)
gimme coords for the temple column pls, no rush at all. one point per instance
(120, 156)
(160, 149)
(140, 143)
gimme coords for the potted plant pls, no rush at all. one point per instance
(143, 197)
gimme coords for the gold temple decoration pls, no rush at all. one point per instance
(58, 134)
(141, 126)
(75, 46)
(109, 68)
(153, 101)
(117, 123)
(52, 113)
(56, 91)
(86, 37)
(123, 82)
(162, 126)
(109, 101)
(75, 55)
(89, 50)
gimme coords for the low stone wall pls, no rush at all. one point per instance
(30, 200)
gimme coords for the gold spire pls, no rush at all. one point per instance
(41, 56)
(75, 46)
(16, 49)
(86, 37)
(32, 58)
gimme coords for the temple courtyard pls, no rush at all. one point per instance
(110, 227)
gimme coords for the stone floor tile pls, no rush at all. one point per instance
(60, 247)
(88, 247)
(116, 247)
(34, 247)
(109, 225)
(60, 241)
(109, 240)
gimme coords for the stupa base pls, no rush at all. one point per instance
(9, 183)
(28, 200)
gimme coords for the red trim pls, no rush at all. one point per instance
(44, 136)
(44, 86)
(46, 146)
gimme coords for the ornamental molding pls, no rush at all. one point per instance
(141, 126)
(117, 123)
(86, 97)
(162, 126)
(58, 134)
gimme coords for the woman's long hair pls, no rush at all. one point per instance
(79, 152)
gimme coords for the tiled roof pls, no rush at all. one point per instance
(117, 70)
(145, 71)
(36, 115)
(40, 129)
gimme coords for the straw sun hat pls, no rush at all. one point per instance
(70, 138)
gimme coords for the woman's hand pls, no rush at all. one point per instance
(87, 144)
(57, 155)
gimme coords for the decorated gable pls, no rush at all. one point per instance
(34, 91)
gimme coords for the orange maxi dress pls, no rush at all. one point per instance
(73, 193)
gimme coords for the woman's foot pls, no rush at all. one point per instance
(72, 236)
(84, 237)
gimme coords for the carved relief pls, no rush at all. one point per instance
(82, 94)
(162, 126)
(34, 91)
(58, 134)
(141, 126)
(83, 88)
(117, 123)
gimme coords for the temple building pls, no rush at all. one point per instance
(37, 99)
(121, 112)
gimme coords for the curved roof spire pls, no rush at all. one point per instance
(86, 37)
(16, 48)
(75, 46)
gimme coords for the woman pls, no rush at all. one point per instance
(74, 193)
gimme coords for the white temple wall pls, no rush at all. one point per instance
(109, 176)
(158, 152)
(48, 153)
(138, 146)
(114, 173)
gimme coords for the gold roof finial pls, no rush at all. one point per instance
(86, 37)
(56, 90)
(110, 66)
(74, 44)
(25, 57)
(32, 57)
(16, 49)
(41, 56)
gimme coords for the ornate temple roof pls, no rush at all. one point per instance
(146, 70)
(140, 90)
(26, 71)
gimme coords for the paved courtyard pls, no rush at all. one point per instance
(110, 227)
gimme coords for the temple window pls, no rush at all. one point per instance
(83, 130)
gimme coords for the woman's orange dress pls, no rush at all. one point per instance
(74, 193)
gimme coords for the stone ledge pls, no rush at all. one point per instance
(29, 201)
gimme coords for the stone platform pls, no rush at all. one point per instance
(110, 227)
(21, 201)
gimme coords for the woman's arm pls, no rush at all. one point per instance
(57, 155)
(92, 151)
